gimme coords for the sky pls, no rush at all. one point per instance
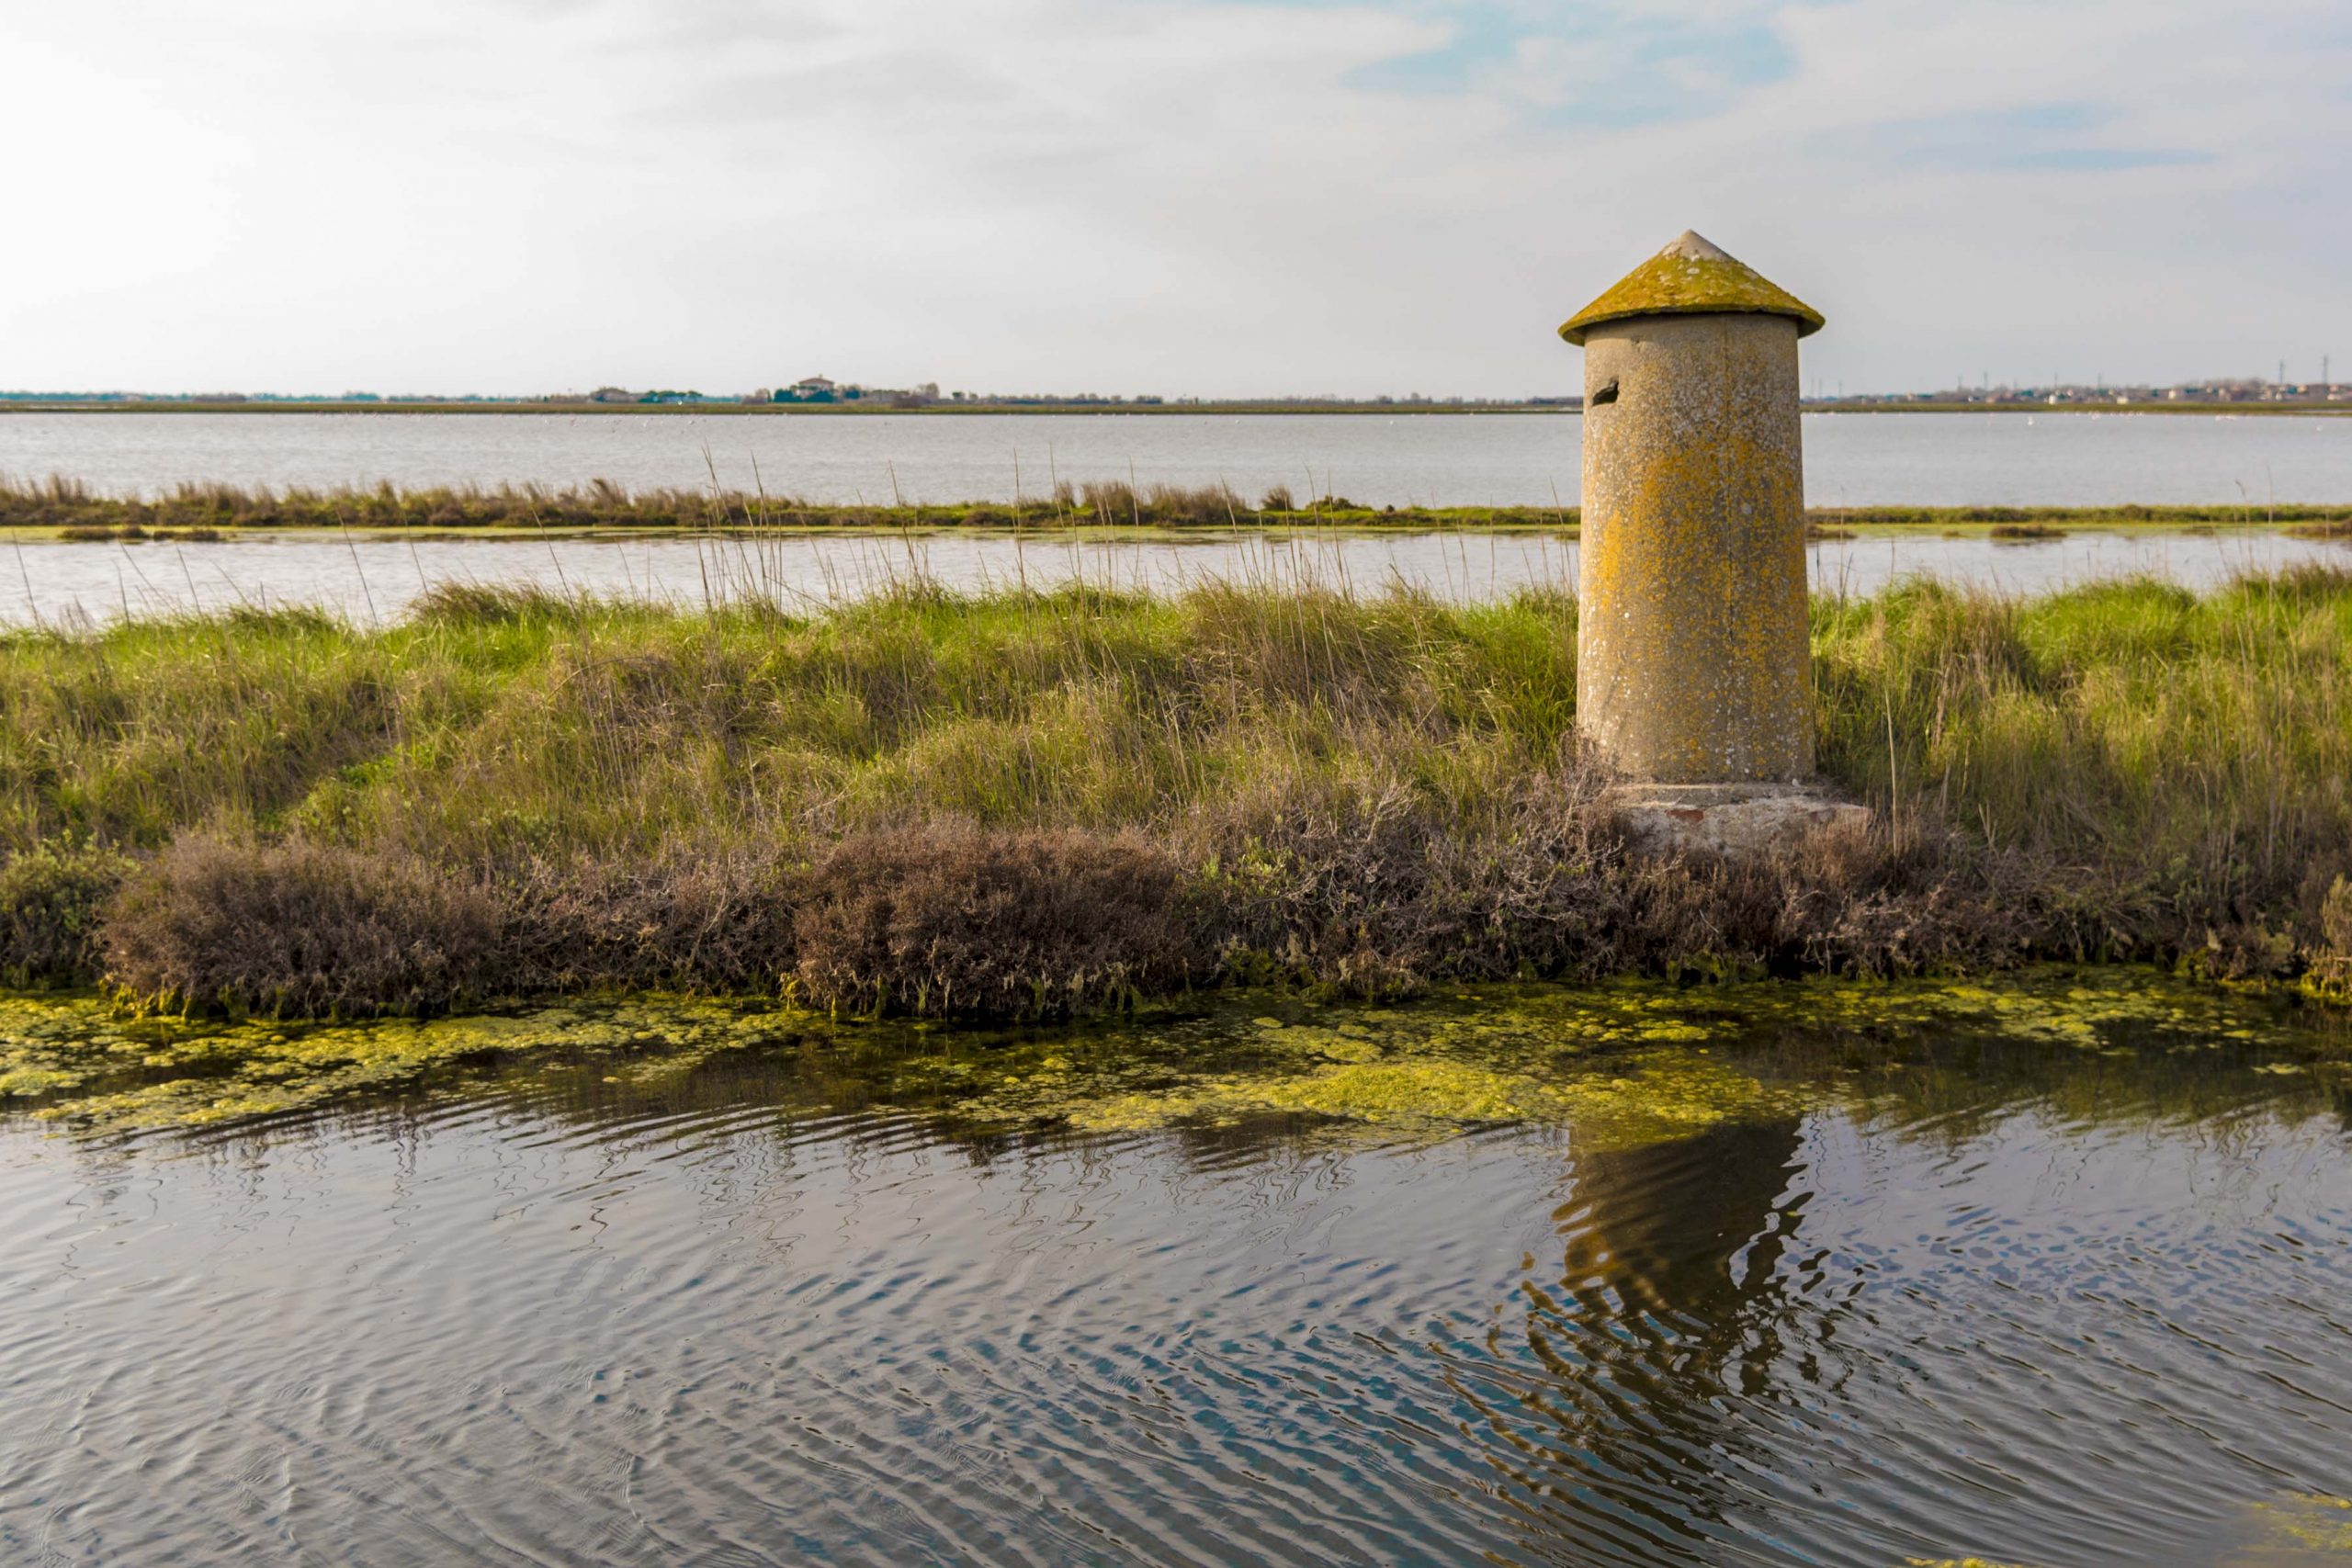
(1191, 197)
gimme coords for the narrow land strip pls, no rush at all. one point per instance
(1030, 802)
(67, 509)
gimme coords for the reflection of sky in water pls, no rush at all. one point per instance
(2019, 1300)
(1378, 460)
(60, 582)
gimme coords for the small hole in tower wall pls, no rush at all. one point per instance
(1607, 394)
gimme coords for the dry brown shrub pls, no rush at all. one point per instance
(1376, 896)
(299, 929)
(1869, 901)
(700, 919)
(1356, 886)
(2335, 917)
(2331, 956)
(948, 921)
(1374, 892)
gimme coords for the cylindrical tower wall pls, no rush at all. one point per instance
(1691, 643)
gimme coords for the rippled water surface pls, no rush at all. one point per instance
(1522, 459)
(1527, 1277)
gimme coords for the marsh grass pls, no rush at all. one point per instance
(199, 510)
(1029, 801)
(2181, 762)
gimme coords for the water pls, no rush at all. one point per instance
(1405, 460)
(1924, 460)
(2045, 1278)
(373, 578)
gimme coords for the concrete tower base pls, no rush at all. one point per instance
(1731, 819)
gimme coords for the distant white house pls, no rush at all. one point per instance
(810, 389)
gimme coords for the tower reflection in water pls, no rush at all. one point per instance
(1618, 1419)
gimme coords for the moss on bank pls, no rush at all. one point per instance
(1028, 803)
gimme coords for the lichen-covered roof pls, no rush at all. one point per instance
(1691, 277)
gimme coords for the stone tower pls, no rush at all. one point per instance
(1691, 651)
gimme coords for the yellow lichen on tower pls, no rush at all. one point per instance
(1691, 277)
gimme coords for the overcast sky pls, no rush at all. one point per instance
(1173, 196)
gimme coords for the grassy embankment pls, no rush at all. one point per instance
(1037, 802)
(202, 512)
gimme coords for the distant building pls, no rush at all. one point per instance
(810, 389)
(612, 395)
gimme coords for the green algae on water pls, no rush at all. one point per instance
(2298, 1529)
(1623, 1064)
(1618, 1065)
(1425, 1088)
(81, 1064)
(2318, 1520)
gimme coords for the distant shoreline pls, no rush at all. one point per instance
(1238, 407)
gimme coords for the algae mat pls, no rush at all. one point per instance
(1627, 1063)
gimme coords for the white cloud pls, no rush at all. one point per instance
(1147, 194)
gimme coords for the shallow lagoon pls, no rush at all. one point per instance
(372, 578)
(2049, 1272)
(1420, 460)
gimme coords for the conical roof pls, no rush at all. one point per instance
(1691, 277)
